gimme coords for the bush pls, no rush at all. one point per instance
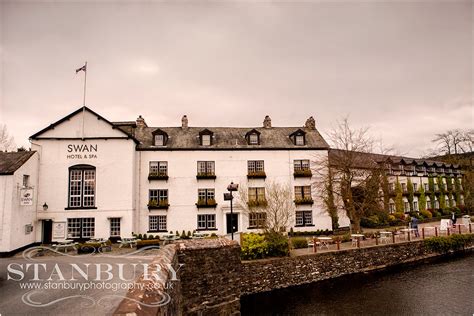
(445, 211)
(139, 236)
(148, 242)
(254, 246)
(370, 222)
(189, 235)
(450, 243)
(312, 233)
(426, 214)
(436, 213)
(278, 245)
(299, 243)
(213, 235)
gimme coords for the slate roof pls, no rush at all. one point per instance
(11, 161)
(228, 138)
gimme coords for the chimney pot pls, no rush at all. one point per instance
(141, 122)
(267, 122)
(184, 122)
(310, 123)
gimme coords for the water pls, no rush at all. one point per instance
(440, 287)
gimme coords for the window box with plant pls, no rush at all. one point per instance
(205, 175)
(303, 173)
(206, 203)
(304, 201)
(257, 203)
(157, 176)
(158, 205)
(256, 175)
(302, 169)
(256, 169)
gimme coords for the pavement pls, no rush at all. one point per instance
(56, 287)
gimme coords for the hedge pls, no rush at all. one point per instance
(444, 244)
(148, 242)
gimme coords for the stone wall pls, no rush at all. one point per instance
(269, 274)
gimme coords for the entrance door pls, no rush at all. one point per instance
(232, 220)
(47, 232)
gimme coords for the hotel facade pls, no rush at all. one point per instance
(98, 178)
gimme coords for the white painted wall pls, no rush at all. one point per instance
(13, 216)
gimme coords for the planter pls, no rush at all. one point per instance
(205, 176)
(304, 202)
(157, 177)
(303, 173)
(256, 175)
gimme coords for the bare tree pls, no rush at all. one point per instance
(274, 210)
(354, 179)
(467, 141)
(454, 141)
(6, 141)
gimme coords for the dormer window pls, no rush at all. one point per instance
(299, 138)
(253, 137)
(160, 138)
(205, 137)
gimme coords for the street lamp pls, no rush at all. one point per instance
(229, 197)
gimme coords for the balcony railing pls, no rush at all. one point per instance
(256, 175)
(205, 175)
(302, 173)
(304, 201)
(203, 203)
(158, 205)
(157, 176)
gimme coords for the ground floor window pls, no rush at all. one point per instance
(304, 218)
(157, 223)
(407, 207)
(115, 227)
(257, 220)
(81, 227)
(206, 221)
(415, 206)
(391, 207)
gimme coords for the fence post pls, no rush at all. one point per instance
(436, 231)
(470, 228)
(358, 242)
(393, 237)
(459, 229)
(376, 240)
(409, 235)
(315, 247)
(423, 233)
(338, 243)
(448, 232)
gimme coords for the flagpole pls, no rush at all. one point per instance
(84, 100)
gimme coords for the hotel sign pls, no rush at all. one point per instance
(59, 230)
(26, 197)
(81, 151)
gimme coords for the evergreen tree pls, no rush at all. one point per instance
(398, 198)
(457, 190)
(422, 199)
(432, 192)
(411, 194)
(442, 201)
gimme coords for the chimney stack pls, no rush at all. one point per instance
(310, 123)
(141, 122)
(267, 122)
(184, 122)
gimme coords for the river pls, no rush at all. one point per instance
(436, 287)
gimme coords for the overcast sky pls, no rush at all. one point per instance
(403, 68)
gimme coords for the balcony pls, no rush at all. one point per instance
(206, 203)
(158, 205)
(205, 175)
(303, 173)
(257, 203)
(304, 201)
(157, 176)
(256, 175)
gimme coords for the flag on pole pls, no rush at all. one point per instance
(83, 68)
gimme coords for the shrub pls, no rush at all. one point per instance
(291, 233)
(444, 244)
(278, 245)
(299, 243)
(426, 214)
(145, 237)
(148, 242)
(254, 246)
(391, 218)
(436, 213)
(189, 234)
(370, 222)
(213, 236)
(445, 211)
(139, 236)
(183, 235)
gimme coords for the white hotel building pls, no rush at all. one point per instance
(108, 179)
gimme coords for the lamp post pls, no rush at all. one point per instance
(229, 197)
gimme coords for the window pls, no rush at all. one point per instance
(407, 207)
(206, 168)
(303, 192)
(415, 187)
(253, 139)
(257, 194)
(206, 221)
(301, 164)
(115, 227)
(404, 187)
(299, 140)
(255, 166)
(157, 223)
(81, 227)
(391, 207)
(304, 218)
(26, 181)
(427, 188)
(257, 220)
(158, 195)
(206, 140)
(436, 204)
(415, 206)
(159, 168)
(391, 187)
(82, 186)
(159, 140)
(206, 194)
